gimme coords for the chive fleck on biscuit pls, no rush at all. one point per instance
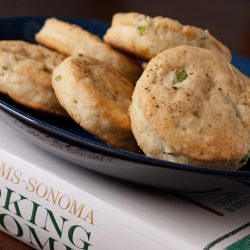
(146, 37)
(97, 98)
(190, 106)
(25, 75)
(70, 39)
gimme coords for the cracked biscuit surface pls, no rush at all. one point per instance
(97, 97)
(71, 39)
(25, 75)
(190, 106)
(146, 37)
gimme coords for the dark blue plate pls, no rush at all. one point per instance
(64, 129)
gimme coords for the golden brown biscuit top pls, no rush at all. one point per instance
(198, 103)
(152, 35)
(53, 25)
(106, 82)
(33, 61)
(102, 87)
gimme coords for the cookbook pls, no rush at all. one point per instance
(50, 203)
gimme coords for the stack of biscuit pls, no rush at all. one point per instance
(189, 105)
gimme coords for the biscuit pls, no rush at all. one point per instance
(25, 75)
(146, 37)
(70, 39)
(97, 97)
(190, 106)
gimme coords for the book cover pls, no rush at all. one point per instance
(50, 203)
